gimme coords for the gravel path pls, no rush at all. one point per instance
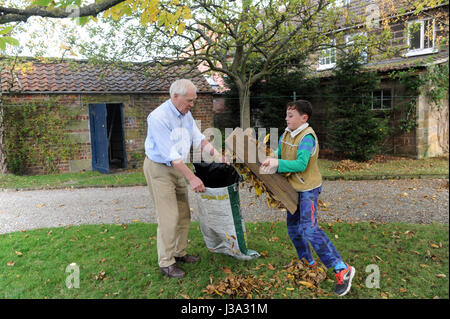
(410, 201)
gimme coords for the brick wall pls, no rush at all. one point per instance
(136, 108)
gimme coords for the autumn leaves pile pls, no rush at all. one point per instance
(296, 275)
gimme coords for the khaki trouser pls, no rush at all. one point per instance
(169, 192)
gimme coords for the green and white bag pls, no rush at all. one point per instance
(221, 222)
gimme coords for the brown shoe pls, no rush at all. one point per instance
(173, 271)
(189, 259)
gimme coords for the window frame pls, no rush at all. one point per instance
(421, 50)
(382, 99)
(330, 51)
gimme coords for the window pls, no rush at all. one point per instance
(420, 37)
(327, 58)
(357, 38)
(382, 99)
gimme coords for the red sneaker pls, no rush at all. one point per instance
(344, 280)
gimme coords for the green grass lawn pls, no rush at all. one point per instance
(389, 169)
(394, 168)
(120, 261)
(131, 177)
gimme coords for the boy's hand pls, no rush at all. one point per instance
(269, 166)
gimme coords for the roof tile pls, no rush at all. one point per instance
(82, 77)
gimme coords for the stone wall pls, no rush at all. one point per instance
(432, 132)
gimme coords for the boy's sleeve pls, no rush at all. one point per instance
(304, 151)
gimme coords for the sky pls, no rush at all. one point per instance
(45, 37)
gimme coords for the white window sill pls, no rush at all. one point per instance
(326, 67)
(420, 52)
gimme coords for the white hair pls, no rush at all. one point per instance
(181, 86)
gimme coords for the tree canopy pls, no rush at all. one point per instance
(226, 37)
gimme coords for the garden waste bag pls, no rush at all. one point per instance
(221, 222)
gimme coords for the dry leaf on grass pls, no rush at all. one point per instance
(237, 286)
(100, 276)
(304, 275)
(349, 165)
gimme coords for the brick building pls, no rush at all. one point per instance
(418, 49)
(112, 127)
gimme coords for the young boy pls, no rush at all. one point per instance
(297, 156)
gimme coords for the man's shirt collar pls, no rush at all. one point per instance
(175, 110)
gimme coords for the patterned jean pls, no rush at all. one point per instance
(303, 229)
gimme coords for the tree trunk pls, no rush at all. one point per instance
(244, 102)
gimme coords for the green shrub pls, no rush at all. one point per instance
(36, 135)
(355, 131)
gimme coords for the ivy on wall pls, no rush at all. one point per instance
(36, 134)
(433, 84)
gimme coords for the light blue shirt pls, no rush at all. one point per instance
(170, 134)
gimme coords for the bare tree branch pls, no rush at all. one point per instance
(21, 15)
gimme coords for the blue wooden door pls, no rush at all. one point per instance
(99, 137)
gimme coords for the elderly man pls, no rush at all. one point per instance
(171, 132)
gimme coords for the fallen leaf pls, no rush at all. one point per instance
(441, 276)
(227, 270)
(185, 296)
(18, 253)
(11, 263)
(305, 283)
(101, 275)
(270, 267)
(434, 246)
(40, 205)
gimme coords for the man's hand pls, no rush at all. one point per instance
(214, 155)
(269, 166)
(197, 184)
(224, 160)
